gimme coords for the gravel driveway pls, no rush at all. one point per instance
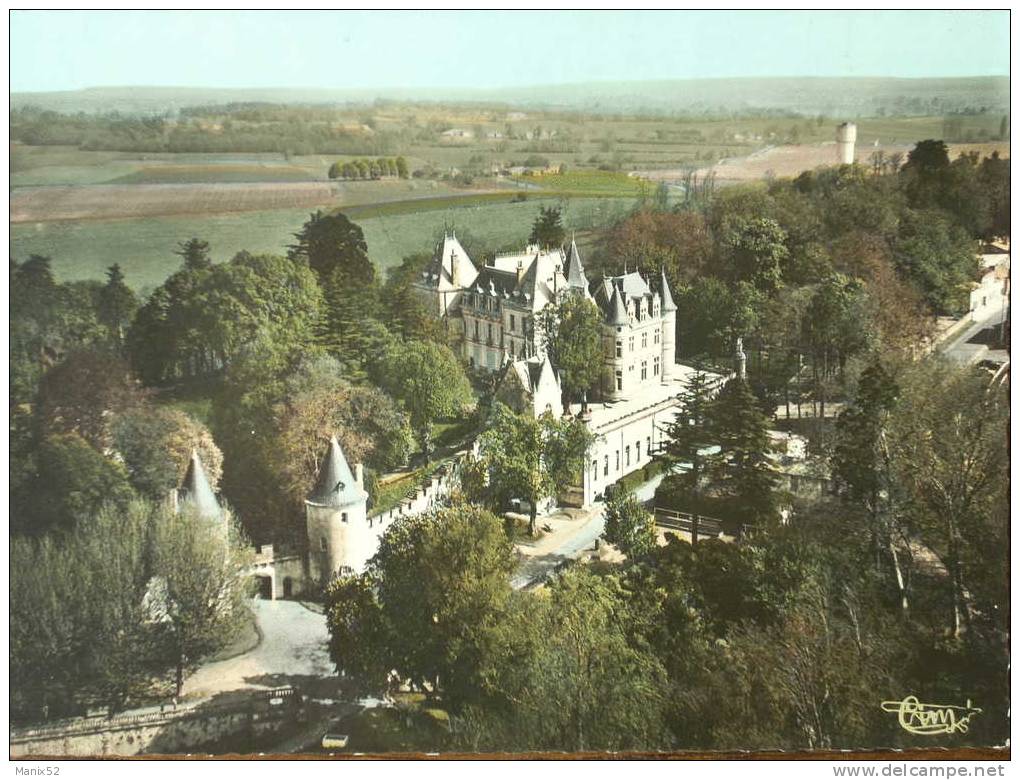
(293, 649)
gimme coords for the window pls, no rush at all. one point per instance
(656, 336)
(513, 323)
(628, 455)
(343, 517)
(490, 332)
(594, 470)
(630, 344)
(637, 447)
(644, 369)
(322, 543)
(617, 460)
(648, 444)
(476, 329)
(605, 466)
(619, 348)
(644, 339)
(655, 366)
(619, 380)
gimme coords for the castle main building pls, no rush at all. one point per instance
(498, 306)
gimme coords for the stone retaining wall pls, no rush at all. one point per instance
(171, 731)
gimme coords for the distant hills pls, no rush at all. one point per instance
(834, 97)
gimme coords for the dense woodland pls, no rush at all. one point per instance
(894, 584)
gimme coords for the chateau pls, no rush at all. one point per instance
(496, 309)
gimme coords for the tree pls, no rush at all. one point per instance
(198, 322)
(71, 481)
(81, 635)
(573, 676)
(938, 257)
(426, 606)
(861, 468)
(431, 383)
(334, 171)
(405, 307)
(331, 243)
(948, 445)
(82, 393)
(401, 167)
(572, 337)
(837, 323)
(629, 525)
(156, 443)
(117, 305)
(547, 230)
(715, 315)
(201, 587)
(320, 403)
(565, 445)
(689, 435)
(742, 472)
(511, 457)
(678, 243)
(757, 251)
(994, 178)
(195, 253)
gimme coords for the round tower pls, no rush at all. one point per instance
(846, 138)
(668, 328)
(336, 518)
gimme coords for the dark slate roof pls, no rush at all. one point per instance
(667, 297)
(575, 269)
(335, 485)
(617, 312)
(196, 490)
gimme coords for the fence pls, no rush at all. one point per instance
(698, 526)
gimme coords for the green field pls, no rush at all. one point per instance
(144, 248)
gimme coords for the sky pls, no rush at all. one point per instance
(61, 50)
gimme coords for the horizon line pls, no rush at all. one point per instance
(545, 85)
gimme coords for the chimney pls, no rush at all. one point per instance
(520, 271)
(454, 269)
(359, 475)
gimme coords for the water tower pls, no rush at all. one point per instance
(846, 137)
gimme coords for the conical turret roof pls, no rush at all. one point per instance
(197, 491)
(667, 297)
(575, 269)
(335, 485)
(617, 309)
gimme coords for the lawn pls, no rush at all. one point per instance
(145, 247)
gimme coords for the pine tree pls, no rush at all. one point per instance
(689, 433)
(861, 466)
(547, 230)
(195, 253)
(117, 304)
(742, 472)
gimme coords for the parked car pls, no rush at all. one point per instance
(334, 741)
